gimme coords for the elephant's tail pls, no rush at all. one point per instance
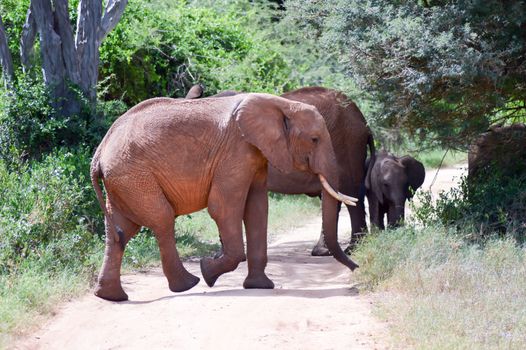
(371, 160)
(96, 175)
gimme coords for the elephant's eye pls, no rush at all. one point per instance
(315, 140)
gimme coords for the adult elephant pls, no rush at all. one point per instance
(350, 137)
(164, 158)
(390, 182)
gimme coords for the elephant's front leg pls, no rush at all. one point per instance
(256, 219)
(226, 205)
(375, 212)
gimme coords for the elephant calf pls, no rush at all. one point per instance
(389, 182)
(165, 157)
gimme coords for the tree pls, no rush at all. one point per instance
(443, 70)
(5, 57)
(69, 60)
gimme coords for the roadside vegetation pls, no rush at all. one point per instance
(429, 76)
(439, 291)
(453, 277)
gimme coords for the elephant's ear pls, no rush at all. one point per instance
(264, 122)
(195, 91)
(416, 174)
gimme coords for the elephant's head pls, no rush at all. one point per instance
(293, 135)
(393, 180)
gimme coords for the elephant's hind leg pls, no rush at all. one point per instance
(179, 279)
(109, 282)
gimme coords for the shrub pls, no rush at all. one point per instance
(492, 204)
(162, 48)
(48, 213)
(30, 128)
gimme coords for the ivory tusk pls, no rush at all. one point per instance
(339, 196)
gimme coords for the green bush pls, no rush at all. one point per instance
(48, 213)
(491, 204)
(30, 128)
(164, 47)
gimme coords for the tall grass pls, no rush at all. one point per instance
(439, 292)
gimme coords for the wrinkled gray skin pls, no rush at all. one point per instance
(389, 183)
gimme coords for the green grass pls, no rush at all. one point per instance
(439, 292)
(26, 297)
(433, 158)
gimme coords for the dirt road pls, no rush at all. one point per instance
(314, 305)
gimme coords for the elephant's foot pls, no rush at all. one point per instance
(185, 282)
(110, 291)
(210, 271)
(211, 268)
(320, 250)
(259, 281)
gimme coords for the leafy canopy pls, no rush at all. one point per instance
(443, 70)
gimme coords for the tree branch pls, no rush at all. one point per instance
(112, 14)
(27, 41)
(5, 56)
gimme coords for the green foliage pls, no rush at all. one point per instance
(29, 126)
(13, 13)
(25, 123)
(438, 157)
(162, 48)
(441, 70)
(48, 213)
(440, 292)
(495, 204)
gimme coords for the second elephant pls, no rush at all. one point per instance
(390, 181)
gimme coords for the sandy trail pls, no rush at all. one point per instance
(314, 306)
(446, 179)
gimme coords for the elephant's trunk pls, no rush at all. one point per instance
(330, 233)
(324, 164)
(395, 215)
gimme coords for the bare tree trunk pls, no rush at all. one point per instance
(88, 23)
(53, 65)
(67, 58)
(64, 30)
(27, 41)
(5, 56)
